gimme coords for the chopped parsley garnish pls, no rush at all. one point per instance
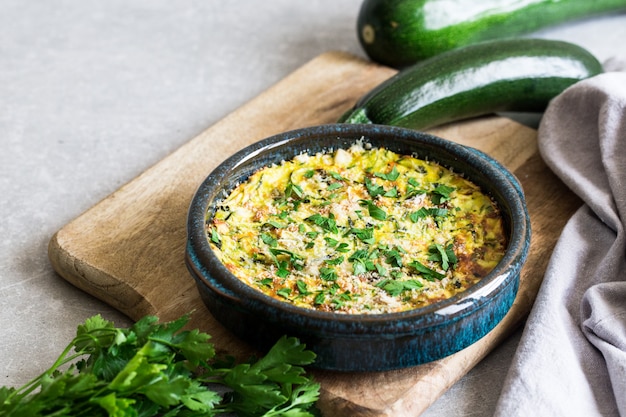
(390, 176)
(283, 269)
(269, 239)
(319, 298)
(285, 260)
(215, 237)
(425, 212)
(343, 247)
(392, 193)
(293, 191)
(337, 176)
(396, 287)
(362, 261)
(396, 273)
(426, 272)
(373, 189)
(302, 287)
(335, 261)
(328, 274)
(335, 186)
(267, 282)
(365, 235)
(284, 292)
(374, 211)
(327, 223)
(340, 300)
(441, 194)
(444, 255)
(276, 224)
(319, 227)
(413, 188)
(393, 257)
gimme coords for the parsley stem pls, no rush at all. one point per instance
(61, 360)
(34, 383)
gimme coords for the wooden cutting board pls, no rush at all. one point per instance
(128, 250)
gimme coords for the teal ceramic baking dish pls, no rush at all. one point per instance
(360, 342)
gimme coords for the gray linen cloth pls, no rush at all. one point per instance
(571, 360)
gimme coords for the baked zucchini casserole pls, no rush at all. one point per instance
(358, 231)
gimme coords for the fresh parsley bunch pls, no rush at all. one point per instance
(153, 369)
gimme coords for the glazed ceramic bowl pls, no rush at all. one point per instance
(360, 342)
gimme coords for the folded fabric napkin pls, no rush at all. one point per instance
(571, 360)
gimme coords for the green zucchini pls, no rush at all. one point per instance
(512, 75)
(399, 33)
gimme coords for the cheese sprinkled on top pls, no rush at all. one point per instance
(358, 231)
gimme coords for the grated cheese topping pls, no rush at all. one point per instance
(358, 231)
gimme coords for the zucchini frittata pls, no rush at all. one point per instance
(358, 231)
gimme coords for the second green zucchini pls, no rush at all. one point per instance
(516, 75)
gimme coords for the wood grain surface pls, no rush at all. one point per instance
(128, 250)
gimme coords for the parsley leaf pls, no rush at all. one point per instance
(343, 247)
(285, 259)
(215, 237)
(302, 287)
(276, 224)
(293, 191)
(373, 189)
(320, 298)
(413, 188)
(390, 176)
(284, 292)
(366, 235)
(269, 239)
(335, 261)
(424, 212)
(374, 211)
(362, 261)
(393, 257)
(327, 223)
(441, 194)
(426, 272)
(392, 193)
(444, 255)
(397, 287)
(337, 176)
(328, 274)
